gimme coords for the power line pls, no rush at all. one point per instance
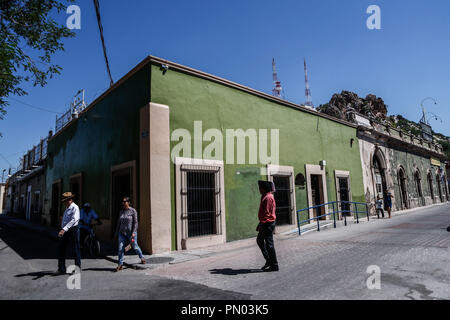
(34, 107)
(6, 160)
(100, 27)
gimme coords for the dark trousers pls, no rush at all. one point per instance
(380, 211)
(71, 236)
(265, 242)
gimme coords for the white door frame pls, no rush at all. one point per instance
(312, 169)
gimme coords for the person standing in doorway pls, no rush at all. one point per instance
(266, 226)
(388, 203)
(379, 206)
(126, 231)
(69, 232)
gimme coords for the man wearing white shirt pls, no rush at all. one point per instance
(69, 232)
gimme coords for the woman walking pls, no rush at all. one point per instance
(126, 231)
(388, 203)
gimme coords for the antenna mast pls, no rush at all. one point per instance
(307, 90)
(276, 91)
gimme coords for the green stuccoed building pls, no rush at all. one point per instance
(188, 148)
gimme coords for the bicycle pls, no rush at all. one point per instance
(91, 245)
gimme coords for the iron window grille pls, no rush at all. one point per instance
(283, 197)
(200, 200)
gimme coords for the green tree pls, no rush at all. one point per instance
(28, 38)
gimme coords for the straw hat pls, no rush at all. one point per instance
(67, 196)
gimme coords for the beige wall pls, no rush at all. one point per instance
(155, 216)
(367, 151)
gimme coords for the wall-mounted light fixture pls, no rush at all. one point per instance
(164, 68)
(323, 164)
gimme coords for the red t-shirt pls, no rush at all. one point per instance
(267, 206)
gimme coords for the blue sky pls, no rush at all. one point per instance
(404, 62)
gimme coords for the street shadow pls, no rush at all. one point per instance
(36, 245)
(100, 269)
(234, 272)
(37, 275)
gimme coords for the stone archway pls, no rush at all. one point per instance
(430, 185)
(418, 183)
(379, 173)
(401, 178)
(438, 185)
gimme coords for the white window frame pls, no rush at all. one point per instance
(287, 171)
(183, 241)
(343, 174)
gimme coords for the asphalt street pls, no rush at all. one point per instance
(411, 251)
(28, 262)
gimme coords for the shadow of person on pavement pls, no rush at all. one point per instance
(37, 275)
(233, 272)
(100, 269)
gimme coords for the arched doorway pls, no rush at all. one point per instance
(418, 181)
(380, 177)
(401, 177)
(430, 185)
(438, 184)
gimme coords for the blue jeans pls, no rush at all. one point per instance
(123, 242)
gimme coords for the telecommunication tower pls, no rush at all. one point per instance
(276, 91)
(307, 90)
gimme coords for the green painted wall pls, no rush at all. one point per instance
(105, 135)
(304, 139)
(108, 134)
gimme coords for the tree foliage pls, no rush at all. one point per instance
(28, 38)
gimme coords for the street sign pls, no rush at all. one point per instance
(427, 133)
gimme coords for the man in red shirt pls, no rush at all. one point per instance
(266, 226)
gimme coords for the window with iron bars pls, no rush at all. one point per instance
(200, 199)
(283, 197)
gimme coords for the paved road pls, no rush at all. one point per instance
(412, 251)
(28, 260)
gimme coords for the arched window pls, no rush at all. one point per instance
(430, 185)
(401, 176)
(438, 184)
(417, 179)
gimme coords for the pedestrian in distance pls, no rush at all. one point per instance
(70, 232)
(388, 203)
(266, 226)
(126, 232)
(379, 206)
